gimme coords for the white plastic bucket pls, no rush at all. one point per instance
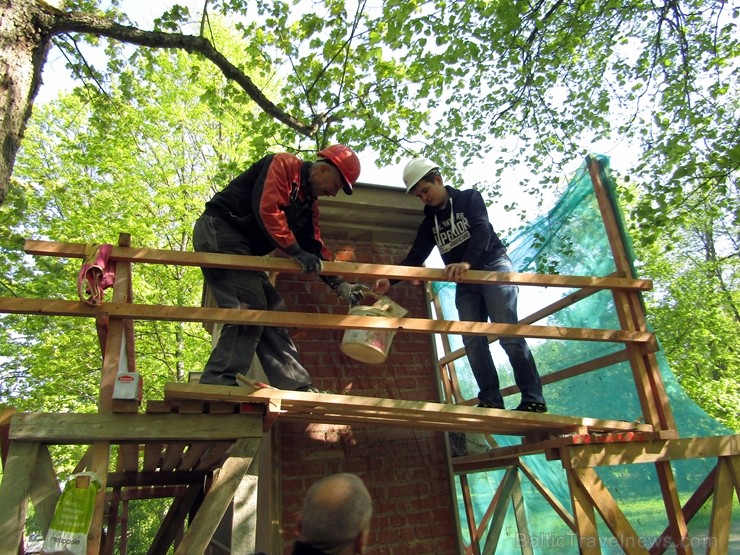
(372, 346)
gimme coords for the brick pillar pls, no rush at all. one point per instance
(406, 470)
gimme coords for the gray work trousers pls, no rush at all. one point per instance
(242, 289)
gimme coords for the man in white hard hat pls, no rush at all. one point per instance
(456, 222)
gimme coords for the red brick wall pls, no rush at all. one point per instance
(405, 470)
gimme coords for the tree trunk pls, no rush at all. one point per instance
(23, 49)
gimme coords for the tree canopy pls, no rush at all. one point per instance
(532, 83)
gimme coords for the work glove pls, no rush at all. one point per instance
(351, 293)
(310, 263)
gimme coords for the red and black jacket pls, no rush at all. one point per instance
(271, 204)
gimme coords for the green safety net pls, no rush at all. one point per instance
(571, 240)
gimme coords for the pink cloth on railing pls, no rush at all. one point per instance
(96, 275)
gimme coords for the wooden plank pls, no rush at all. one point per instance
(212, 458)
(691, 508)
(44, 488)
(584, 516)
(152, 492)
(613, 516)
(113, 354)
(500, 504)
(346, 269)
(219, 497)
(193, 455)
(84, 462)
(483, 524)
(661, 450)
(524, 539)
(653, 398)
(57, 307)
(446, 371)
(609, 217)
(174, 520)
(554, 502)
(98, 465)
(721, 516)
(482, 461)
(113, 501)
(87, 428)
(14, 490)
(173, 455)
(676, 524)
(128, 457)
(152, 456)
(419, 414)
(470, 516)
(5, 416)
(735, 472)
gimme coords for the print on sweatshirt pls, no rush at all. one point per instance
(448, 236)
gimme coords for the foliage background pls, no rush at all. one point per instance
(521, 88)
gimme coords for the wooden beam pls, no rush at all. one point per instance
(692, 506)
(114, 348)
(524, 539)
(327, 408)
(735, 473)
(51, 307)
(577, 370)
(500, 505)
(554, 502)
(219, 497)
(649, 452)
(14, 490)
(5, 416)
(150, 492)
(44, 488)
(613, 516)
(489, 459)
(721, 516)
(121, 428)
(346, 269)
(609, 217)
(470, 516)
(174, 520)
(678, 530)
(584, 516)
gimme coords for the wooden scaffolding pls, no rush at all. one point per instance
(201, 440)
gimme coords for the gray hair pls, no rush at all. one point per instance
(336, 510)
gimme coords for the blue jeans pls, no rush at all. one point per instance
(243, 289)
(479, 303)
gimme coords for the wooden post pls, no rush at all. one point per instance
(111, 365)
(474, 538)
(219, 497)
(676, 523)
(584, 516)
(651, 391)
(14, 493)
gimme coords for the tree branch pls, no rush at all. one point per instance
(65, 22)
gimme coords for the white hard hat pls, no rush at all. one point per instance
(415, 170)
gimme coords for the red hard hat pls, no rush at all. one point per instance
(346, 161)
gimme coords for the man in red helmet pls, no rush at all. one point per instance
(272, 205)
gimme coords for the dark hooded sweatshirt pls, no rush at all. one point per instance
(460, 230)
